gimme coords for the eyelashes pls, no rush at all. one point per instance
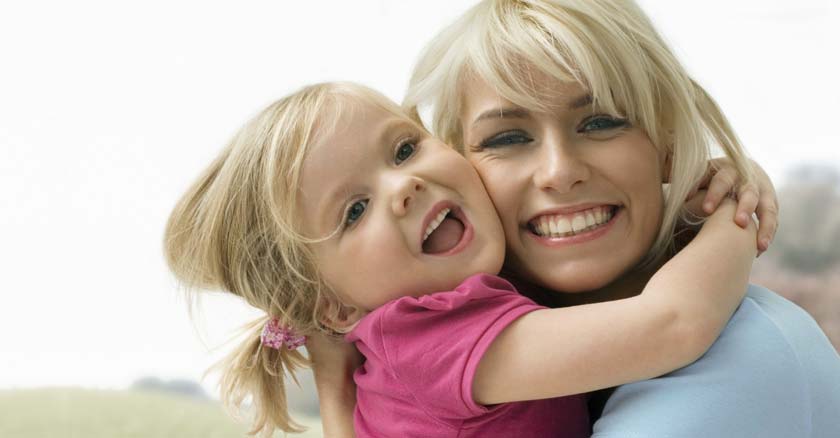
(601, 125)
(354, 212)
(507, 138)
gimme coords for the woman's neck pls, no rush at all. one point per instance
(627, 285)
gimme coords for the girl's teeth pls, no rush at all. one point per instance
(562, 226)
(435, 223)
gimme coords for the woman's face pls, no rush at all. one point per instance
(578, 191)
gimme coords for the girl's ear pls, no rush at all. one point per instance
(342, 318)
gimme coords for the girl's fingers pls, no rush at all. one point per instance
(719, 187)
(768, 220)
(767, 209)
(703, 184)
(747, 203)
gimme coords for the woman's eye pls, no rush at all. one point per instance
(356, 210)
(601, 123)
(506, 139)
(404, 152)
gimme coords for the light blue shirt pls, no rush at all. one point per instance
(772, 373)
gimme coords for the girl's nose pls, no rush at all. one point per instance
(560, 166)
(406, 189)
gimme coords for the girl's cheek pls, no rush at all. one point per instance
(501, 190)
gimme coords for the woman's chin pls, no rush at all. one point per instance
(576, 278)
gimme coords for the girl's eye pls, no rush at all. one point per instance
(356, 210)
(404, 152)
(601, 123)
(508, 138)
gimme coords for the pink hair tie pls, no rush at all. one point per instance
(275, 335)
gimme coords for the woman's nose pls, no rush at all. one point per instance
(559, 166)
(405, 191)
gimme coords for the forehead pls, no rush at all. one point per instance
(352, 133)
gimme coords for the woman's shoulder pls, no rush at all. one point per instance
(783, 324)
(771, 373)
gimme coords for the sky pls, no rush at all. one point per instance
(108, 111)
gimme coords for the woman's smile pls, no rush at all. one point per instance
(573, 228)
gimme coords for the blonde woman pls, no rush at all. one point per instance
(562, 107)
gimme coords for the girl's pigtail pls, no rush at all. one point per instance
(257, 371)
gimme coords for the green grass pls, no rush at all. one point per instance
(79, 413)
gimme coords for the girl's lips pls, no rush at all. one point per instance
(582, 237)
(457, 213)
(433, 212)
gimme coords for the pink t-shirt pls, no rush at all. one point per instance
(421, 356)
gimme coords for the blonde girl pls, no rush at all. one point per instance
(333, 211)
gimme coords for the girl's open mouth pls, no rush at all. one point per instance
(447, 232)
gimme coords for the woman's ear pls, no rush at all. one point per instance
(666, 164)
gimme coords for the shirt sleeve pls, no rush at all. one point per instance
(434, 343)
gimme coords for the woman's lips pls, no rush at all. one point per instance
(588, 234)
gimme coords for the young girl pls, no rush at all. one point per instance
(334, 211)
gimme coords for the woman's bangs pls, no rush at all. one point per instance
(517, 56)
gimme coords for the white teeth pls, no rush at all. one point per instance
(562, 226)
(578, 223)
(544, 227)
(435, 223)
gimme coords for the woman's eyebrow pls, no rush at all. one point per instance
(503, 113)
(580, 102)
(522, 113)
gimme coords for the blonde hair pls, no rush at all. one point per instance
(237, 229)
(610, 48)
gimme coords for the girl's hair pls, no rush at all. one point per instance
(237, 229)
(610, 48)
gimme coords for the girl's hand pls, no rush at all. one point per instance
(759, 197)
(333, 364)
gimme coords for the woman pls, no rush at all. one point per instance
(563, 106)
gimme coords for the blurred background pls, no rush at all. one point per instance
(108, 110)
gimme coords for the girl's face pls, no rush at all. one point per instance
(578, 191)
(411, 214)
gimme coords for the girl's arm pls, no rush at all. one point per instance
(678, 316)
(333, 363)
